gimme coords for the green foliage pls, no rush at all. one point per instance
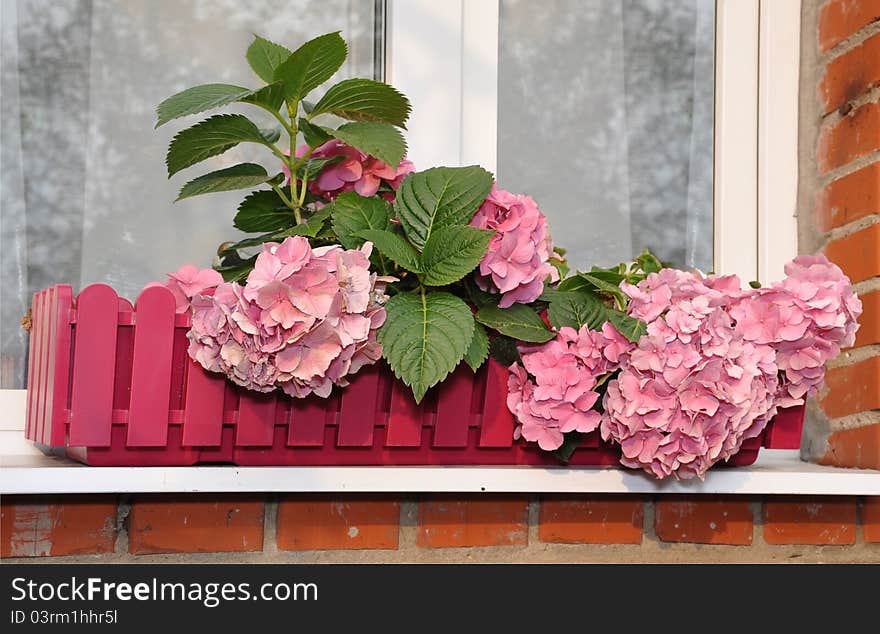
(240, 176)
(519, 321)
(439, 197)
(364, 100)
(265, 57)
(583, 307)
(309, 229)
(394, 247)
(314, 135)
(381, 140)
(208, 138)
(479, 349)
(198, 99)
(310, 65)
(352, 213)
(453, 252)
(503, 349)
(263, 211)
(425, 336)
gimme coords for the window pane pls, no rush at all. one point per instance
(85, 195)
(606, 119)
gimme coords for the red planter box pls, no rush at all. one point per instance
(112, 384)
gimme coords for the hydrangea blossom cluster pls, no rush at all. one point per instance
(305, 320)
(807, 318)
(517, 261)
(715, 365)
(554, 392)
(353, 171)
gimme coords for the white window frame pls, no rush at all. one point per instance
(756, 111)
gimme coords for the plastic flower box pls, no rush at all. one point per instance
(111, 384)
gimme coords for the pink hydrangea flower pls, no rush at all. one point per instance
(553, 392)
(305, 320)
(187, 282)
(516, 263)
(807, 318)
(355, 171)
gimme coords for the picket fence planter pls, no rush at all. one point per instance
(112, 384)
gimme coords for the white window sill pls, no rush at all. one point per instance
(24, 470)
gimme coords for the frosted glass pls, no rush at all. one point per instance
(606, 118)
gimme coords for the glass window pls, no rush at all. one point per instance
(85, 196)
(605, 116)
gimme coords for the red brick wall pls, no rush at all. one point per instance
(440, 528)
(846, 223)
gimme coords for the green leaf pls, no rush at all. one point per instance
(198, 99)
(313, 134)
(395, 247)
(240, 176)
(570, 442)
(364, 100)
(648, 262)
(271, 96)
(439, 197)
(504, 351)
(309, 229)
(576, 309)
(208, 138)
(352, 213)
(265, 57)
(237, 272)
(424, 337)
(479, 349)
(271, 134)
(453, 252)
(311, 65)
(263, 211)
(630, 327)
(591, 281)
(519, 321)
(381, 140)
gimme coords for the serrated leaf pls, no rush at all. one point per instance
(198, 99)
(630, 327)
(424, 337)
(453, 252)
(575, 309)
(596, 282)
(381, 140)
(394, 247)
(208, 138)
(240, 176)
(479, 349)
(440, 197)
(309, 229)
(364, 100)
(271, 96)
(265, 56)
(263, 211)
(311, 65)
(352, 213)
(313, 134)
(519, 321)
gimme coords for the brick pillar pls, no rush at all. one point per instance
(845, 120)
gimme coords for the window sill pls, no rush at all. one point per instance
(24, 470)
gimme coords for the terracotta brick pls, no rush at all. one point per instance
(849, 198)
(703, 520)
(839, 19)
(321, 523)
(852, 388)
(869, 320)
(871, 519)
(449, 522)
(601, 520)
(857, 447)
(853, 136)
(858, 254)
(41, 526)
(822, 520)
(195, 524)
(850, 75)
